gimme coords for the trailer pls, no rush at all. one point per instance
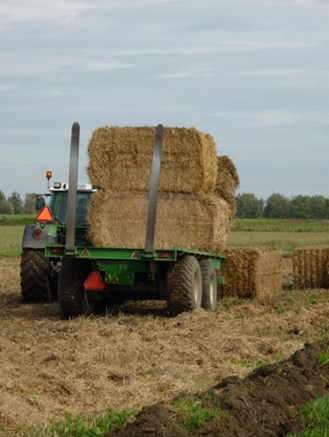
(186, 279)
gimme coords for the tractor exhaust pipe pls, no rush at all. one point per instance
(72, 195)
(154, 187)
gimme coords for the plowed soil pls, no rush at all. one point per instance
(265, 403)
(136, 355)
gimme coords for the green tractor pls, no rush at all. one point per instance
(39, 275)
(61, 257)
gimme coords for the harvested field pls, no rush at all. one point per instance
(195, 221)
(120, 158)
(136, 355)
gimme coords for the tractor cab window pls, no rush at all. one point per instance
(82, 208)
(59, 206)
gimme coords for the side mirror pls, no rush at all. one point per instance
(39, 203)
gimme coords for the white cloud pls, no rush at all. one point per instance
(36, 65)
(38, 10)
(274, 72)
(273, 118)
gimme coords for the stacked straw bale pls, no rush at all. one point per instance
(227, 181)
(192, 210)
(195, 221)
(120, 158)
(310, 267)
(251, 272)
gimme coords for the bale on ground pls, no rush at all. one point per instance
(310, 267)
(120, 158)
(250, 272)
(194, 221)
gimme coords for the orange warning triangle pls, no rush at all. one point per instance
(94, 282)
(45, 215)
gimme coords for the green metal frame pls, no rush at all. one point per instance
(121, 265)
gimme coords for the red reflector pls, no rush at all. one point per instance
(57, 250)
(164, 255)
(94, 282)
(37, 233)
(45, 215)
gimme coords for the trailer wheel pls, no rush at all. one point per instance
(209, 285)
(72, 296)
(35, 287)
(184, 286)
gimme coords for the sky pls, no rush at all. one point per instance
(252, 73)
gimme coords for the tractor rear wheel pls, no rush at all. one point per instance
(35, 287)
(184, 286)
(209, 285)
(72, 296)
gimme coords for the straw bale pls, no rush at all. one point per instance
(250, 272)
(226, 165)
(310, 267)
(120, 158)
(227, 181)
(195, 221)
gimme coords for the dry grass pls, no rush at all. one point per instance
(136, 355)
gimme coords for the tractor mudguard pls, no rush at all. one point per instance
(33, 240)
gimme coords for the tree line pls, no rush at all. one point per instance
(14, 204)
(248, 206)
(280, 206)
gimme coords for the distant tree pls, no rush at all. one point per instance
(277, 206)
(248, 206)
(5, 206)
(29, 203)
(301, 207)
(327, 208)
(2, 197)
(319, 207)
(16, 202)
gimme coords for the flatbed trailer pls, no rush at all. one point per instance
(187, 279)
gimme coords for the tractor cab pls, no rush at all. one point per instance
(58, 202)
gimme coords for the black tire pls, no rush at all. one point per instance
(184, 286)
(72, 296)
(209, 285)
(34, 274)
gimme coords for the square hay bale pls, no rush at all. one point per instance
(227, 181)
(194, 221)
(120, 158)
(226, 165)
(310, 267)
(250, 272)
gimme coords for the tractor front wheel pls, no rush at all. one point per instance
(72, 296)
(184, 286)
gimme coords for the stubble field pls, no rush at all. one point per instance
(136, 355)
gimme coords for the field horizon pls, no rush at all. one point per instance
(283, 234)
